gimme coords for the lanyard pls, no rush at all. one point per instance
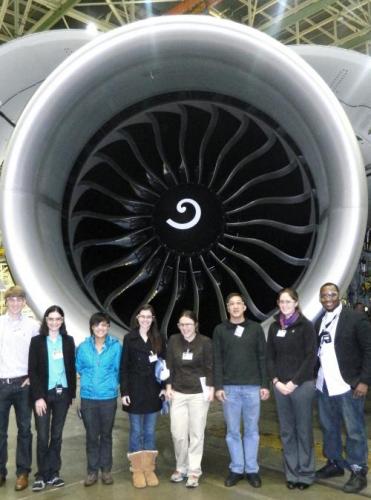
(330, 322)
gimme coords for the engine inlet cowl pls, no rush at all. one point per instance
(176, 160)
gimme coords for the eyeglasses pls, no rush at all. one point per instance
(141, 316)
(286, 301)
(57, 320)
(329, 295)
(181, 325)
(235, 304)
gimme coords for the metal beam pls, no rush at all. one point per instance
(16, 17)
(80, 16)
(363, 36)
(183, 7)
(311, 30)
(4, 7)
(53, 16)
(24, 17)
(316, 26)
(115, 11)
(279, 23)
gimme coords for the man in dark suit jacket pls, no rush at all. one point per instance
(344, 352)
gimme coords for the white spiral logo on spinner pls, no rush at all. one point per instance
(181, 209)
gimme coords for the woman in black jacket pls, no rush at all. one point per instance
(291, 358)
(140, 392)
(53, 386)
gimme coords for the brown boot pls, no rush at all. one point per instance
(138, 478)
(149, 465)
(21, 482)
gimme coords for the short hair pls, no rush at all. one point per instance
(15, 291)
(97, 318)
(329, 284)
(235, 294)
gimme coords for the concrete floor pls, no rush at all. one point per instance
(214, 466)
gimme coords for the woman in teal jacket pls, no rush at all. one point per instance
(97, 363)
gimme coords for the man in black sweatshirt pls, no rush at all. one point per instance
(240, 383)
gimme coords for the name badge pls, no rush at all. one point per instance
(239, 331)
(187, 356)
(152, 358)
(57, 355)
(281, 333)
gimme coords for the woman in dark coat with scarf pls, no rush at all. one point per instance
(291, 358)
(140, 392)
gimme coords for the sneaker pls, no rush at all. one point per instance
(107, 478)
(56, 482)
(177, 477)
(356, 482)
(38, 485)
(331, 469)
(192, 482)
(91, 479)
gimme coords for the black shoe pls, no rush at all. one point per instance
(356, 482)
(331, 469)
(291, 485)
(254, 480)
(302, 486)
(233, 478)
(2, 479)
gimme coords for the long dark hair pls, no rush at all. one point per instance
(153, 333)
(44, 329)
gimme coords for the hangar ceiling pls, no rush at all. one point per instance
(342, 23)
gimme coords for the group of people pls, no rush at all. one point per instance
(299, 360)
(38, 367)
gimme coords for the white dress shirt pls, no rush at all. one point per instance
(15, 338)
(329, 370)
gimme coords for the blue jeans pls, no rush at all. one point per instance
(49, 435)
(242, 401)
(18, 397)
(142, 431)
(98, 416)
(335, 411)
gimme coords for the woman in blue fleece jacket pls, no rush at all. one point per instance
(97, 363)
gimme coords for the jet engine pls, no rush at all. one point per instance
(173, 161)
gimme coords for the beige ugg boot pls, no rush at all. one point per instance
(136, 468)
(149, 465)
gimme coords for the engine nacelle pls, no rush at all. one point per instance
(175, 160)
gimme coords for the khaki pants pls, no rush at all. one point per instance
(188, 414)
